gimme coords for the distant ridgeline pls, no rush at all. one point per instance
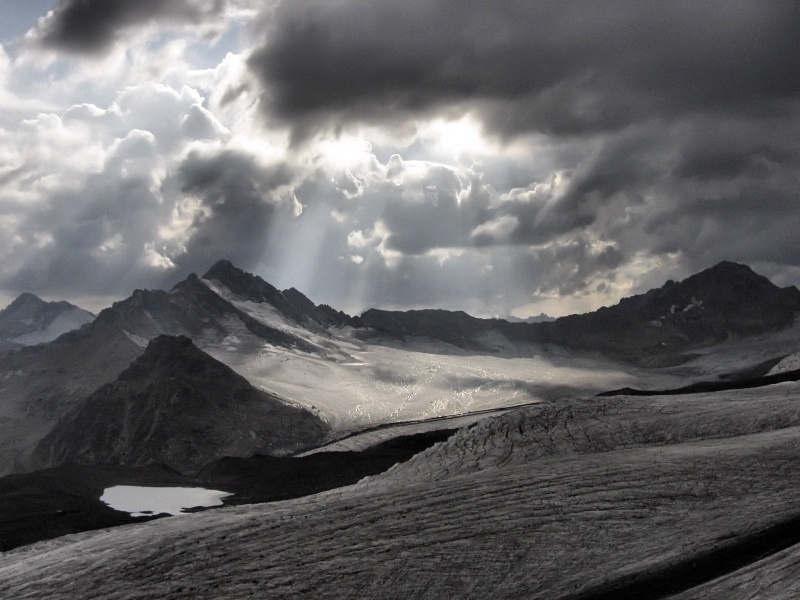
(726, 301)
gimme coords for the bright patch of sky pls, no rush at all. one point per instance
(19, 16)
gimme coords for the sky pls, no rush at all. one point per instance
(504, 158)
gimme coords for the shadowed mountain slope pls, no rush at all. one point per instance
(177, 406)
(53, 502)
(726, 301)
(38, 385)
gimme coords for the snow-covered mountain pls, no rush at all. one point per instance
(29, 321)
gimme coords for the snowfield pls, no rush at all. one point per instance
(69, 320)
(566, 499)
(355, 384)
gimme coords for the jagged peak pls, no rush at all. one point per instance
(727, 268)
(726, 274)
(166, 342)
(28, 296)
(27, 301)
(241, 282)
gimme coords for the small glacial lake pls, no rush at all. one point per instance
(144, 501)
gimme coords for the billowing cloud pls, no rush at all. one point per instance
(91, 201)
(553, 67)
(240, 202)
(514, 156)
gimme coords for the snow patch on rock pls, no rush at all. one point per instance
(67, 321)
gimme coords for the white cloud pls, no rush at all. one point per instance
(497, 230)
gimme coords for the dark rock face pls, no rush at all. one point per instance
(323, 314)
(250, 287)
(40, 384)
(454, 327)
(177, 406)
(190, 308)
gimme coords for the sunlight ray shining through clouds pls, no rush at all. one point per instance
(460, 138)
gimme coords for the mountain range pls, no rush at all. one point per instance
(98, 394)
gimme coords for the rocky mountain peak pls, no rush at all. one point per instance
(243, 284)
(291, 303)
(178, 406)
(247, 286)
(732, 290)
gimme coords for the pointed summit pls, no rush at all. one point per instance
(177, 406)
(222, 268)
(25, 299)
(295, 306)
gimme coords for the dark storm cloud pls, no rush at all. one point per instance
(681, 118)
(241, 205)
(555, 67)
(91, 26)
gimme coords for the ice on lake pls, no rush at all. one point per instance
(142, 501)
